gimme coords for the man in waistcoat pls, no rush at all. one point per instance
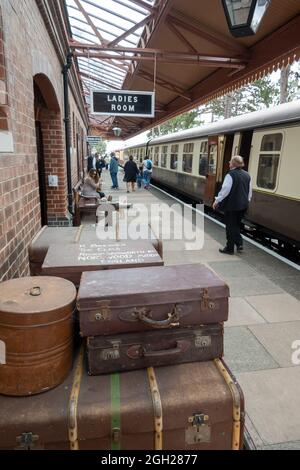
(233, 199)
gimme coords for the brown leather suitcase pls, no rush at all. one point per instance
(196, 406)
(36, 326)
(145, 299)
(131, 351)
(46, 236)
(70, 261)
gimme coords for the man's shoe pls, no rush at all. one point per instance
(226, 251)
(240, 249)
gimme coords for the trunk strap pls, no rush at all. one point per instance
(236, 399)
(115, 412)
(73, 402)
(78, 234)
(157, 407)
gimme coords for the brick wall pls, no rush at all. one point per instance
(28, 51)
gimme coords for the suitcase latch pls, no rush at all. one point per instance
(111, 353)
(116, 435)
(199, 429)
(202, 341)
(26, 441)
(206, 302)
(104, 312)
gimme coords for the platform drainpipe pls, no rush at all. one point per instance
(65, 72)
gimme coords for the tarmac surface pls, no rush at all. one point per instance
(264, 322)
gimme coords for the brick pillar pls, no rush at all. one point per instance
(55, 164)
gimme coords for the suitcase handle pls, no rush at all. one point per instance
(171, 321)
(181, 346)
(138, 351)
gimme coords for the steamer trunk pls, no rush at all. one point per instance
(196, 406)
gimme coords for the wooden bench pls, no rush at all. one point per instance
(83, 205)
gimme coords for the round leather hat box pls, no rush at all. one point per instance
(36, 334)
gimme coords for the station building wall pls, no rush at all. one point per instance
(31, 93)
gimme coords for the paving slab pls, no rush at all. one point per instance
(290, 284)
(254, 285)
(191, 256)
(277, 307)
(243, 352)
(273, 403)
(236, 268)
(277, 339)
(241, 313)
(266, 264)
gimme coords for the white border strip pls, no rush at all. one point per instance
(249, 240)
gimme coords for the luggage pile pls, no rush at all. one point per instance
(153, 339)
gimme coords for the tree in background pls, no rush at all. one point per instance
(263, 93)
(260, 94)
(102, 147)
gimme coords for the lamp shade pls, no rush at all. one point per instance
(117, 131)
(244, 16)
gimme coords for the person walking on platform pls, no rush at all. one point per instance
(99, 166)
(233, 199)
(147, 171)
(114, 168)
(131, 172)
(139, 178)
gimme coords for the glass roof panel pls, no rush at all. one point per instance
(101, 22)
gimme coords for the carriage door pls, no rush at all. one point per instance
(228, 147)
(211, 177)
(245, 147)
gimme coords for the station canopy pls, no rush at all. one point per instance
(182, 49)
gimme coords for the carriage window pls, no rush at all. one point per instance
(150, 152)
(271, 143)
(267, 171)
(156, 156)
(164, 154)
(269, 161)
(174, 157)
(212, 160)
(187, 158)
(203, 161)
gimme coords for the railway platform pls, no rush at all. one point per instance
(263, 332)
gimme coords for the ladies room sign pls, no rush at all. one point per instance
(123, 103)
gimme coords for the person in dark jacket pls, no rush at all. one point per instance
(90, 163)
(140, 176)
(114, 168)
(131, 172)
(233, 199)
(99, 166)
